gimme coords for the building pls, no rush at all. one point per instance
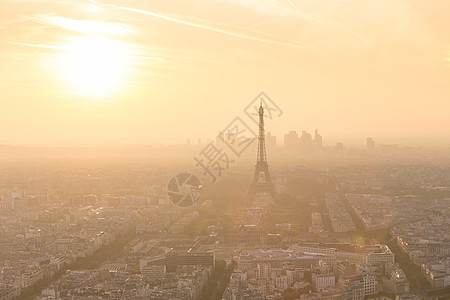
(396, 283)
(284, 280)
(317, 139)
(244, 237)
(306, 142)
(8, 292)
(153, 271)
(176, 258)
(322, 281)
(291, 140)
(383, 256)
(313, 249)
(30, 277)
(369, 283)
(262, 270)
(248, 260)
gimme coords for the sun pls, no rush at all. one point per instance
(94, 66)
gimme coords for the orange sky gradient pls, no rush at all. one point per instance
(138, 72)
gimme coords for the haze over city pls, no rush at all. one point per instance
(224, 150)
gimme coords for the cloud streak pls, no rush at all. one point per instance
(292, 4)
(136, 58)
(51, 47)
(225, 29)
(86, 26)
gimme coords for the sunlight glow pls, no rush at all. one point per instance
(94, 66)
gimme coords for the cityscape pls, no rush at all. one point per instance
(224, 150)
(344, 224)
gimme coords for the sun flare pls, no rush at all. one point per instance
(94, 67)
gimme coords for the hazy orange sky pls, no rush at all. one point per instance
(92, 72)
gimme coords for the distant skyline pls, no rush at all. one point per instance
(159, 72)
(357, 142)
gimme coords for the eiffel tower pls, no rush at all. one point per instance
(262, 183)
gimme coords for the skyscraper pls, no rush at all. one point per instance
(317, 139)
(306, 142)
(291, 140)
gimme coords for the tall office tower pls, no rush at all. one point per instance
(262, 183)
(317, 139)
(306, 141)
(291, 140)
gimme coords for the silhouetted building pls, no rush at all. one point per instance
(306, 142)
(317, 139)
(291, 140)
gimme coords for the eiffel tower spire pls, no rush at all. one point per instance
(261, 155)
(262, 183)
